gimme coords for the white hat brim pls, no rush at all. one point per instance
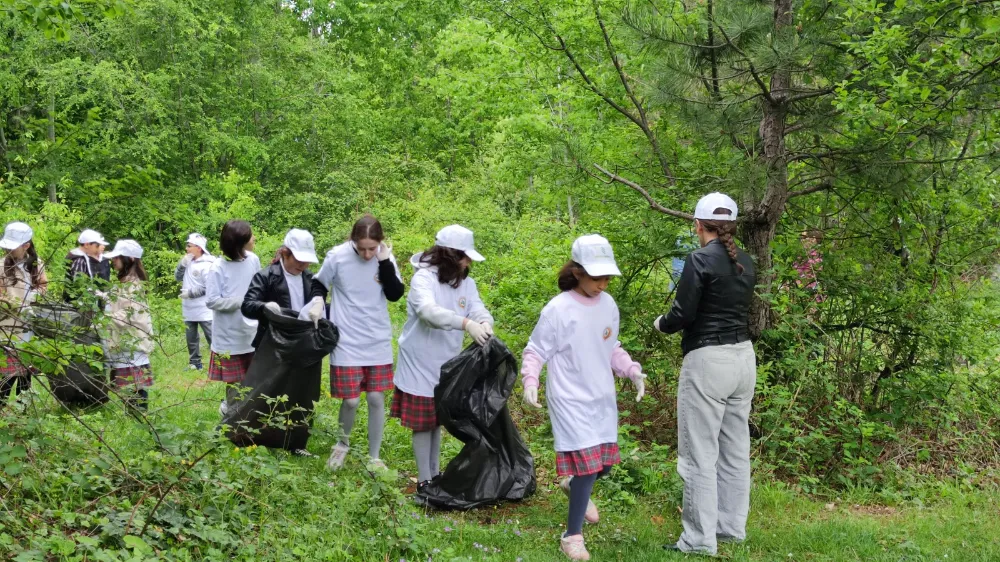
(8, 244)
(602, 269)
(474, 255)
(304, 256)
(112, 255)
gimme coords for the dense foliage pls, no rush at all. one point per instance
(871, 126)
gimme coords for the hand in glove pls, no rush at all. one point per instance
(316, 308)
(185, 294)
(384, 251)
(489, 328)
(656, 323)
(273, 307)
(477, 331)
(531, 396)
(639, 381)
(186, 260)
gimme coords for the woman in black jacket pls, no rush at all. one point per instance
(717, 380)
(286, 284)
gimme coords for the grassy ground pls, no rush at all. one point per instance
(307, 513)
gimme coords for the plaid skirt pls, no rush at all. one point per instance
(350, 382)
(587, 461)
(414, 412)
(135, 378)
(232, 369)
(10, 366)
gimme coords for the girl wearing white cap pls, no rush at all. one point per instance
(130, 337)
(87, 261)
(717, 380)
(443, 301)
(192, 272)
(21, 279)
(362, 277)
(225, 286)
(577, 336)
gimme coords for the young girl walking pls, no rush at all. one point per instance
(225, 285)
(130, 338)
(362, 276)
(443, 301)
(21, 278)
(577, 335)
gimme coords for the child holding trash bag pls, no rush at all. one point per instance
(130, 337)
(286, 284)
(21, 278)
(362, 276)
(443, 301)
(577, 336)
(225, 286)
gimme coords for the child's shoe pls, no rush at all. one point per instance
(574, 548)
(591, 515)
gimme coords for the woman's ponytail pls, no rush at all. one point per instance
(725, 230)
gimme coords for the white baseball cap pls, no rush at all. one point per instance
(300, 242)
(705, 209)
(458, 237)
(127, 248)
(16, 234)
(198, 240)
(594, 253)
(90, 237)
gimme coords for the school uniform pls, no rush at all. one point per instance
(129, 340)
(16, 294)
(275, 284)
(577, 337)
(360, 291)
(226, 284)
(194, 308)
(431, 336)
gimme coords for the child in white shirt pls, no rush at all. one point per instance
(443, 301)
(577, 335)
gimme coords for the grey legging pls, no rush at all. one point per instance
(376, 420)
(427, 451)
(194, 343)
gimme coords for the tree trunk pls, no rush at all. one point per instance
(756, 237)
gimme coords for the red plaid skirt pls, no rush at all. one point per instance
(350, 382)
(11, 367)
(414, 412)
(587, 461)
(232, 369)
(136, 378)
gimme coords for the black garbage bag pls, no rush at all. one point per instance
(494, 465)
(84, 381)
(282, 384)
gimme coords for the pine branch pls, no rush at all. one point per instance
(653, 204)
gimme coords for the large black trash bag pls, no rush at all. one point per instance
(80, 384)
(288, 362)
(494, 465)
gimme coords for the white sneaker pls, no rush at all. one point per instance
(574, 548)
(223, 409)
(337, 456)
(193, 367)
(302, 453)
(591, 515)
(377, 464)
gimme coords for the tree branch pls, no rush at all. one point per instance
(818, 187)
(653, 204)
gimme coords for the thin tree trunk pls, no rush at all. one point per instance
(52, 141)
(3, 147)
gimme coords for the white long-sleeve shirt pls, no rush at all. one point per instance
(195, 309)
(358, 307)
(225, 285)
(578, 338)
(433, 331)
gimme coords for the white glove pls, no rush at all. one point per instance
(187, 259)
(273, 307)
(489, 328)
(531, 396)
(639, 381)
(477, 331)
(656, 323)
(316, 310)
(184, 294)
(384, 251)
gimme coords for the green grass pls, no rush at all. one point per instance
(300, 511)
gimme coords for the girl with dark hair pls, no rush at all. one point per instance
(577, 336)
(21, 279)
(717, 380)
(362, 277)
(130, 330)
(225, 286)
(443, 301)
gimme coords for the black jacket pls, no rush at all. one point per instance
(712, 305)
(97, 272)
(269, 286)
